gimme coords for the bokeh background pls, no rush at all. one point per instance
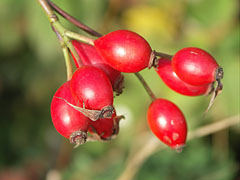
(32, 68)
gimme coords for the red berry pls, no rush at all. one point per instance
(169, 77)
(92, 87)
(167, 122)
(89, 56)
(195, 66)
(68, 122)
(105, 127)
(124, 50)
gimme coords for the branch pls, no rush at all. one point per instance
(74, 20)
(146, 86)
(62, 32)
(147, 149)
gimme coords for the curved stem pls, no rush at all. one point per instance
(67, 62)
(59, 30)
(146, 87)
(65, 53)
(73, 20)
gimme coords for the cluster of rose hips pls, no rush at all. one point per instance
(82, 108)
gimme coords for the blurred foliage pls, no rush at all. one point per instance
(32, 68)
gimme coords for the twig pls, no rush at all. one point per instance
(145, 85)
(73, 20)
(64, 33)
(134, 162)
(79, 37)
(163, 55)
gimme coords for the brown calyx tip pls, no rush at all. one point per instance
(219, 73)
(119, 85)
(116, 121)
(153, 61)
(78, 138)
(106, 112)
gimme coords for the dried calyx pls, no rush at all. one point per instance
(78, 138)
(94, 115)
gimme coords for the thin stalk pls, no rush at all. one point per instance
(163, 55)
(65, 53)
(60, 31)
(67, 62)
(79, 37)
(73, 20)
(47, 9)
(146, 86)
(56, 26)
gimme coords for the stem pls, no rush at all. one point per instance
(79, 37)
(66, 55)
(146, 87)
(147, 149)
(163, 55)
(62, 32)
(73, 20)
(47, 9)
(67, 62)
(58, 29)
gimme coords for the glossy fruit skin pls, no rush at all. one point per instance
(124, 50)
(104, 127)
(195, 66)
(65, 118)
(169, 77)
(167, 122)
(91, 86)
(89, 56)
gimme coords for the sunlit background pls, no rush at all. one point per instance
(32, 68)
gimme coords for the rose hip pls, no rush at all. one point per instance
(196, 67)
(124, 50)
(68, 122)
(90, 86)
(169, 77)
(168, 123)
(89, 56)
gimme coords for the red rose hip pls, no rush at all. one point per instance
(168, 123)
(106, 127)
(89, 56)
(196, 67)
(91, 86)
(68, 122)
(124, 50)
(169, 77)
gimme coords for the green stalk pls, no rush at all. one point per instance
(64, 37)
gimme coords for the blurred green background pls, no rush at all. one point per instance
(32, 68)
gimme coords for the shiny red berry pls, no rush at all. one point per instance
(89, 56)
(124, 50)
(195, 66)
(92, 87)
(68, 122)
(168, 123)
(169, 77)
(106, 127)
